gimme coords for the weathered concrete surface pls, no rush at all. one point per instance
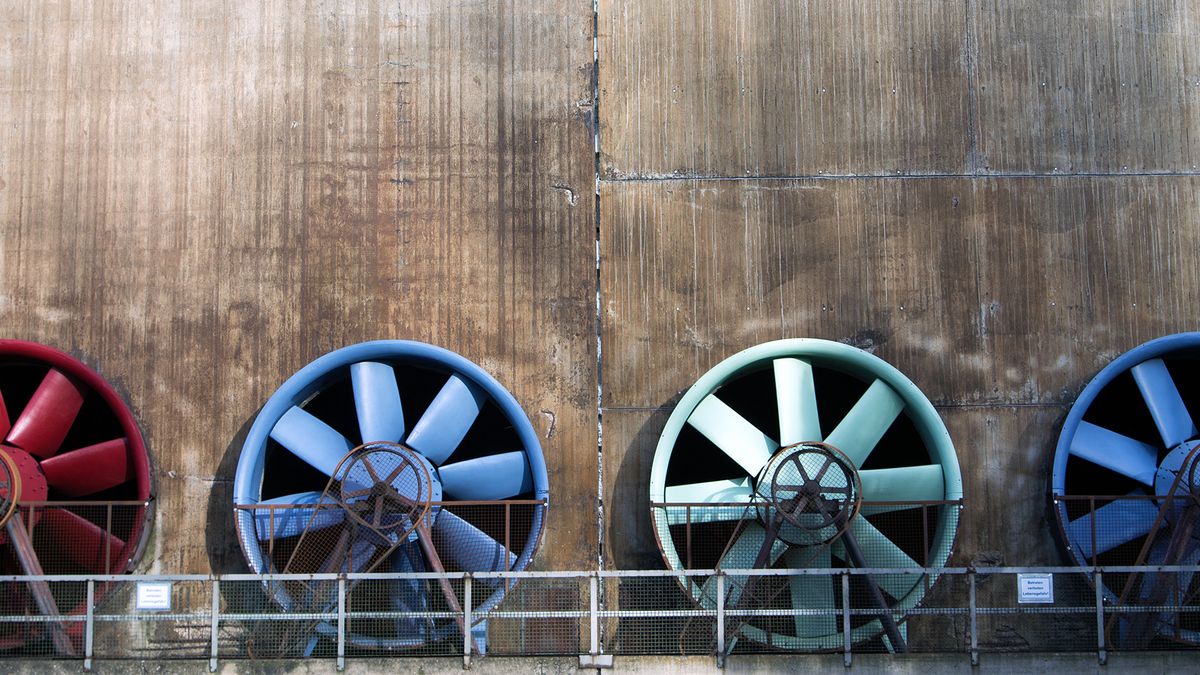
(198, 198)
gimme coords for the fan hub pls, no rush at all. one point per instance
(28, 479)
(1181, 460)
(814, 488)
(387, 487)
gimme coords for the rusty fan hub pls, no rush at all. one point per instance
(813, 488)
(387, 488)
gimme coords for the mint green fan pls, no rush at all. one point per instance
(806, 453)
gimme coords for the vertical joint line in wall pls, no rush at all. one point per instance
(599, 344)
(970, 56)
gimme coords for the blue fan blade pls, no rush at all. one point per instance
(796, 398)
(733, 434)
(881, 552)
(1117, 523)
(740, 555)
(471, 549)
(872, 415)
(812, 591)
(487, 478)
(447, 420)
(311, 440)
(722, 500)
(903, 484)
(1166, 406)
(408, 595)
(289, 522)
(358, 557)
(377, 401)
(1116, 452)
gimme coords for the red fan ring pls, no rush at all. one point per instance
(80, 473)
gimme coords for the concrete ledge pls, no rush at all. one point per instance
(919, 664)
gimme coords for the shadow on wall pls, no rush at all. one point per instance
(634, 546)
(221, 540)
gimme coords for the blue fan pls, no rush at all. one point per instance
(1126, 478)
(391, 456)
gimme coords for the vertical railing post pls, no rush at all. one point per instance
(214, 625)
(594, 613)
(846, 619)
(341, 623)
(466, 607)
(89, 628)
(1101, 651)
(974, 620)
(720, 619)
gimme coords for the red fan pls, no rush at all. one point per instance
(74, 486)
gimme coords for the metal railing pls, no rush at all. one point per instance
(590, 614)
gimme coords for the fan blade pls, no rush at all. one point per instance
(811, 591)
(728, 497)
(1113, 451)
(89, 470)
(377, 402)
(901, 484)
(358, 558)
(1166, 406)
(733, 434)
(48, 416)
(312, 513)
(408, 595)
(1118, 522)
(739, 556)
(797, 401)
(470, 548)
(82, 542)
(446, 422)
(5, 422)
(311, 440)
(881, 552)
(487, 478)
(860, 430)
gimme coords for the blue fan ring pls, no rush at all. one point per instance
(1170, 465)
(318, 374)
(1150, 350)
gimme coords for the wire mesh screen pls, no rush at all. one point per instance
(539, 615)
(656, 615)
(998, 610)
(80, 537)
(176, 626)
(1062, 618)
(1157, 610)
(30, 631)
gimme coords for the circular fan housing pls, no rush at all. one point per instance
(392, 456)
(1129, 442)
(763, 463)
(78, 477)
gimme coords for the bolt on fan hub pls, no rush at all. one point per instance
(30, 481)
(814, 488)
(1179, 461)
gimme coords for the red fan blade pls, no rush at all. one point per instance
(82, 542)
(89, 470)
(5, 423)
(47, 418)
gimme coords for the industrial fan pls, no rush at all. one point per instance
(75, 484)
(806, 453)
(1126, 488)
(390, 456)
